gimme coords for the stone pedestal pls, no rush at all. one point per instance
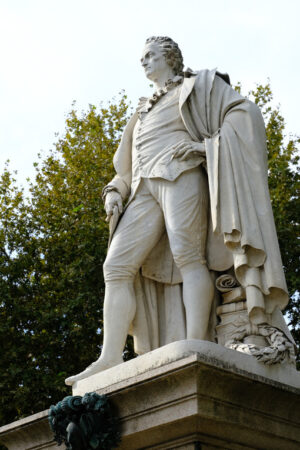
(189, 395)
(33, 432)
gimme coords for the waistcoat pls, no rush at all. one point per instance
(154, 137)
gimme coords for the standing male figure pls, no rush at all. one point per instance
(195, 122)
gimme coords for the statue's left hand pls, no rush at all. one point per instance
(187, 149)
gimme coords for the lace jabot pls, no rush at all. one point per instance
(146, 104)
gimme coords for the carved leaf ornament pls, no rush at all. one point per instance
(84, 423)
(280, 348)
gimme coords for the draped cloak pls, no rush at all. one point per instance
(241, 225)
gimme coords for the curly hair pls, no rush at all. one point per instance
(170, 50)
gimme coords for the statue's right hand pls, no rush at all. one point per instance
(113, 199)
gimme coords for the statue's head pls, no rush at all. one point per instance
(161, 51)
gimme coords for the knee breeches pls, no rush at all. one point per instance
(179, 207)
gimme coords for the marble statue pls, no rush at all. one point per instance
(192, 170)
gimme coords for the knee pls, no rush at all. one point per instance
(112, 271)
(198, 265)
(189, 260)
(107, 269)
(197, 273)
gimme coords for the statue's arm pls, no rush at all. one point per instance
(113, 195)
(117, 184)
(122, 162)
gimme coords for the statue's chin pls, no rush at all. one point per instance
(149, 76)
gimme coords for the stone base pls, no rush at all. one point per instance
(191, 395)
(32, 433)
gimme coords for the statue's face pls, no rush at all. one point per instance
(154, 62)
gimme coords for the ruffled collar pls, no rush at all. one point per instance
(146, 104)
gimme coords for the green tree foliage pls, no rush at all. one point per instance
(53, 244)
(52, 248)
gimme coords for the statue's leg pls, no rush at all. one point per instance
(198, 294)
(119, 310)
(137, 233)
(185, 206)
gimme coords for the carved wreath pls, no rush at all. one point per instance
(280, 348)
(84, 423)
